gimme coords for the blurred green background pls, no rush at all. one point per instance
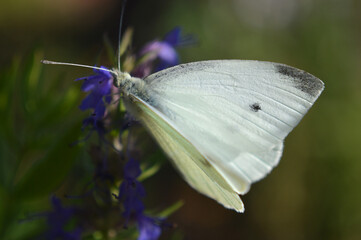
(314, 193)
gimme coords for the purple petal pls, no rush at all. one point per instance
(173, 37)
(151, 47)
(167, 53)
(132, 169)
(100, 86)
(90, 101)
(148, 228)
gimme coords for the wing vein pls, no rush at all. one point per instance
(232, 75)
(254, 92)
(164, 99)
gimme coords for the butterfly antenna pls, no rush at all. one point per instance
(76, 65)
(120, 31)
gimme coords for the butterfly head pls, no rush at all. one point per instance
(121, 79)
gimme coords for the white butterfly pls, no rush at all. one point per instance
(222, 123)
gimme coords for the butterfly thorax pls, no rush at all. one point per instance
(128, 84)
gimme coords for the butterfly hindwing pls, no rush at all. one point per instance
(194, 167)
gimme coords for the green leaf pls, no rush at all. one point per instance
(48, 173)
(171, 209)
(109, 50)
(150, 171)
(126, 41)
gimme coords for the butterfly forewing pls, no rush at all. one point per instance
(235, 113)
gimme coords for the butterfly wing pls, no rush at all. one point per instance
(194, 167)
(234, 114)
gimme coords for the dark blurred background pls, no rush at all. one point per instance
(314, 193)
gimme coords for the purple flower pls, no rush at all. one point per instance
(100, 86)
(164, 51)
(57, 219)
(131, 191)
(95, 124)
(149, 228)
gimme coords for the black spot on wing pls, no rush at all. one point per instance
(303, 80)
(255, 107)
